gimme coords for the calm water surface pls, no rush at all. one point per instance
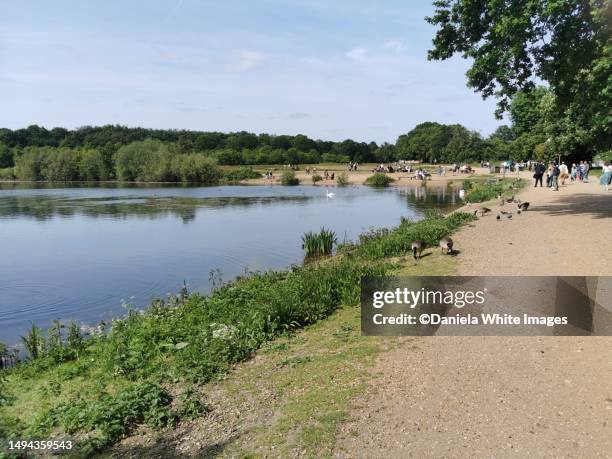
(79, 253)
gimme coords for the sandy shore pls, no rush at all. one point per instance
(360, 176)
(503, 396)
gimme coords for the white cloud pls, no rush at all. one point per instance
(357, 54)
(247, 60)
(395, 45)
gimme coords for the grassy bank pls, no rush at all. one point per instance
(480, 191)
(148, 368)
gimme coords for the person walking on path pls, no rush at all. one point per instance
(585, 175)
(538, 174)
(606, 175)
(554, 177)
(563, 173)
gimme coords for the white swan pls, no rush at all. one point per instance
(329, 195)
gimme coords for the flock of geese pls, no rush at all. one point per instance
(522, 207)
(446, 243)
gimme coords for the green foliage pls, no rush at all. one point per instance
(431, 142)
(316, 178)
(111, 415)
(92, 166)
(388, 243)
(553, 40)
(342, 179)
(564, 43)
(289, 178)
(242, 173)
(485, 191)
(7, 173)
(194, 168)
(317, 244)
(6, 156)
(34, 342)
(379, 180)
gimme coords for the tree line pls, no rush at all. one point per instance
(137, 154)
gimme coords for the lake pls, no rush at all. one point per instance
(83, 252)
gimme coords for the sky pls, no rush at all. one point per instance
(327, 69)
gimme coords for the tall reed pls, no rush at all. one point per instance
(317, 244)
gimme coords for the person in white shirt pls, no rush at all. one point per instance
(563, 173)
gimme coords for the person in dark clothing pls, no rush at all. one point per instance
(539, 173)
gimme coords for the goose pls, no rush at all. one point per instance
(417, 248)
(484, 210)
(498, 217)
(329, 195)
(523, 206)
(509, 216)
(511, 199)
(446, 243)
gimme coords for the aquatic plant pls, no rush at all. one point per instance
(342, 179)
(289, 178)
(379, 180)
(317, 244)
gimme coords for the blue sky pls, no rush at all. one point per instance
(328, 69)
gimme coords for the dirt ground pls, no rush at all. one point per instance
(503, 396)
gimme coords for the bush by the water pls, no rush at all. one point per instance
(317, 244)
(316, 178)
(241, 173)
(289, 178)
(342, 179)
(379, 180)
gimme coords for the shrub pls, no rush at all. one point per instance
(7, 173)
(316, 178)
(342, 179)
(379, 180)
(289, 178)
(321, 243)
(242, 173)
(195, 168)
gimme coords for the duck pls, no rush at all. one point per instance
(523, 206)
(417, 248)
(446, 243)
(329, 195)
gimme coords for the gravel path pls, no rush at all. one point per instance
(494, 396)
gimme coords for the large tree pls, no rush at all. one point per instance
(513, 41)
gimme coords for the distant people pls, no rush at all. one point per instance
(563, 173)
(573, 172)
(538, 174)
(606, 175)
(332, 176)
(585, 175)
